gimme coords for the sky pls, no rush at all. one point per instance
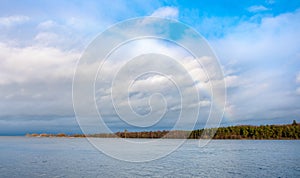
(256, 42)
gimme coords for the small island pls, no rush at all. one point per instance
(270, 132)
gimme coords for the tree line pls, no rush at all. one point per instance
(289, 131)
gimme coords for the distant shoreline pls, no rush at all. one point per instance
(242, 132)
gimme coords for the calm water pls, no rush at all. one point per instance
(66, 157)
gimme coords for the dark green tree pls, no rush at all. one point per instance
(294, 122)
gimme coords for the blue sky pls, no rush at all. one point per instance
(257, 43)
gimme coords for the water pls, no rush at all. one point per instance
(75, 157)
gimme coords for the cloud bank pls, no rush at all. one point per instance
(259, 52)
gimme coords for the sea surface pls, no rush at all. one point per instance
(76, 157)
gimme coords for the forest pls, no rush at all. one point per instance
(288, 131)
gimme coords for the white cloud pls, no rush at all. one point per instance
(204, 103)
(196, 70)
(258, 86)
(298, 91)
(152, 82)
(26, 64)
(232, 81)
(145, 86)
(166, 12)
(266, 41)
(47, 38)
(298, 78)
(13, 20)
(40, 76)
(36, 80)
(47, 24)
(258, 8)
